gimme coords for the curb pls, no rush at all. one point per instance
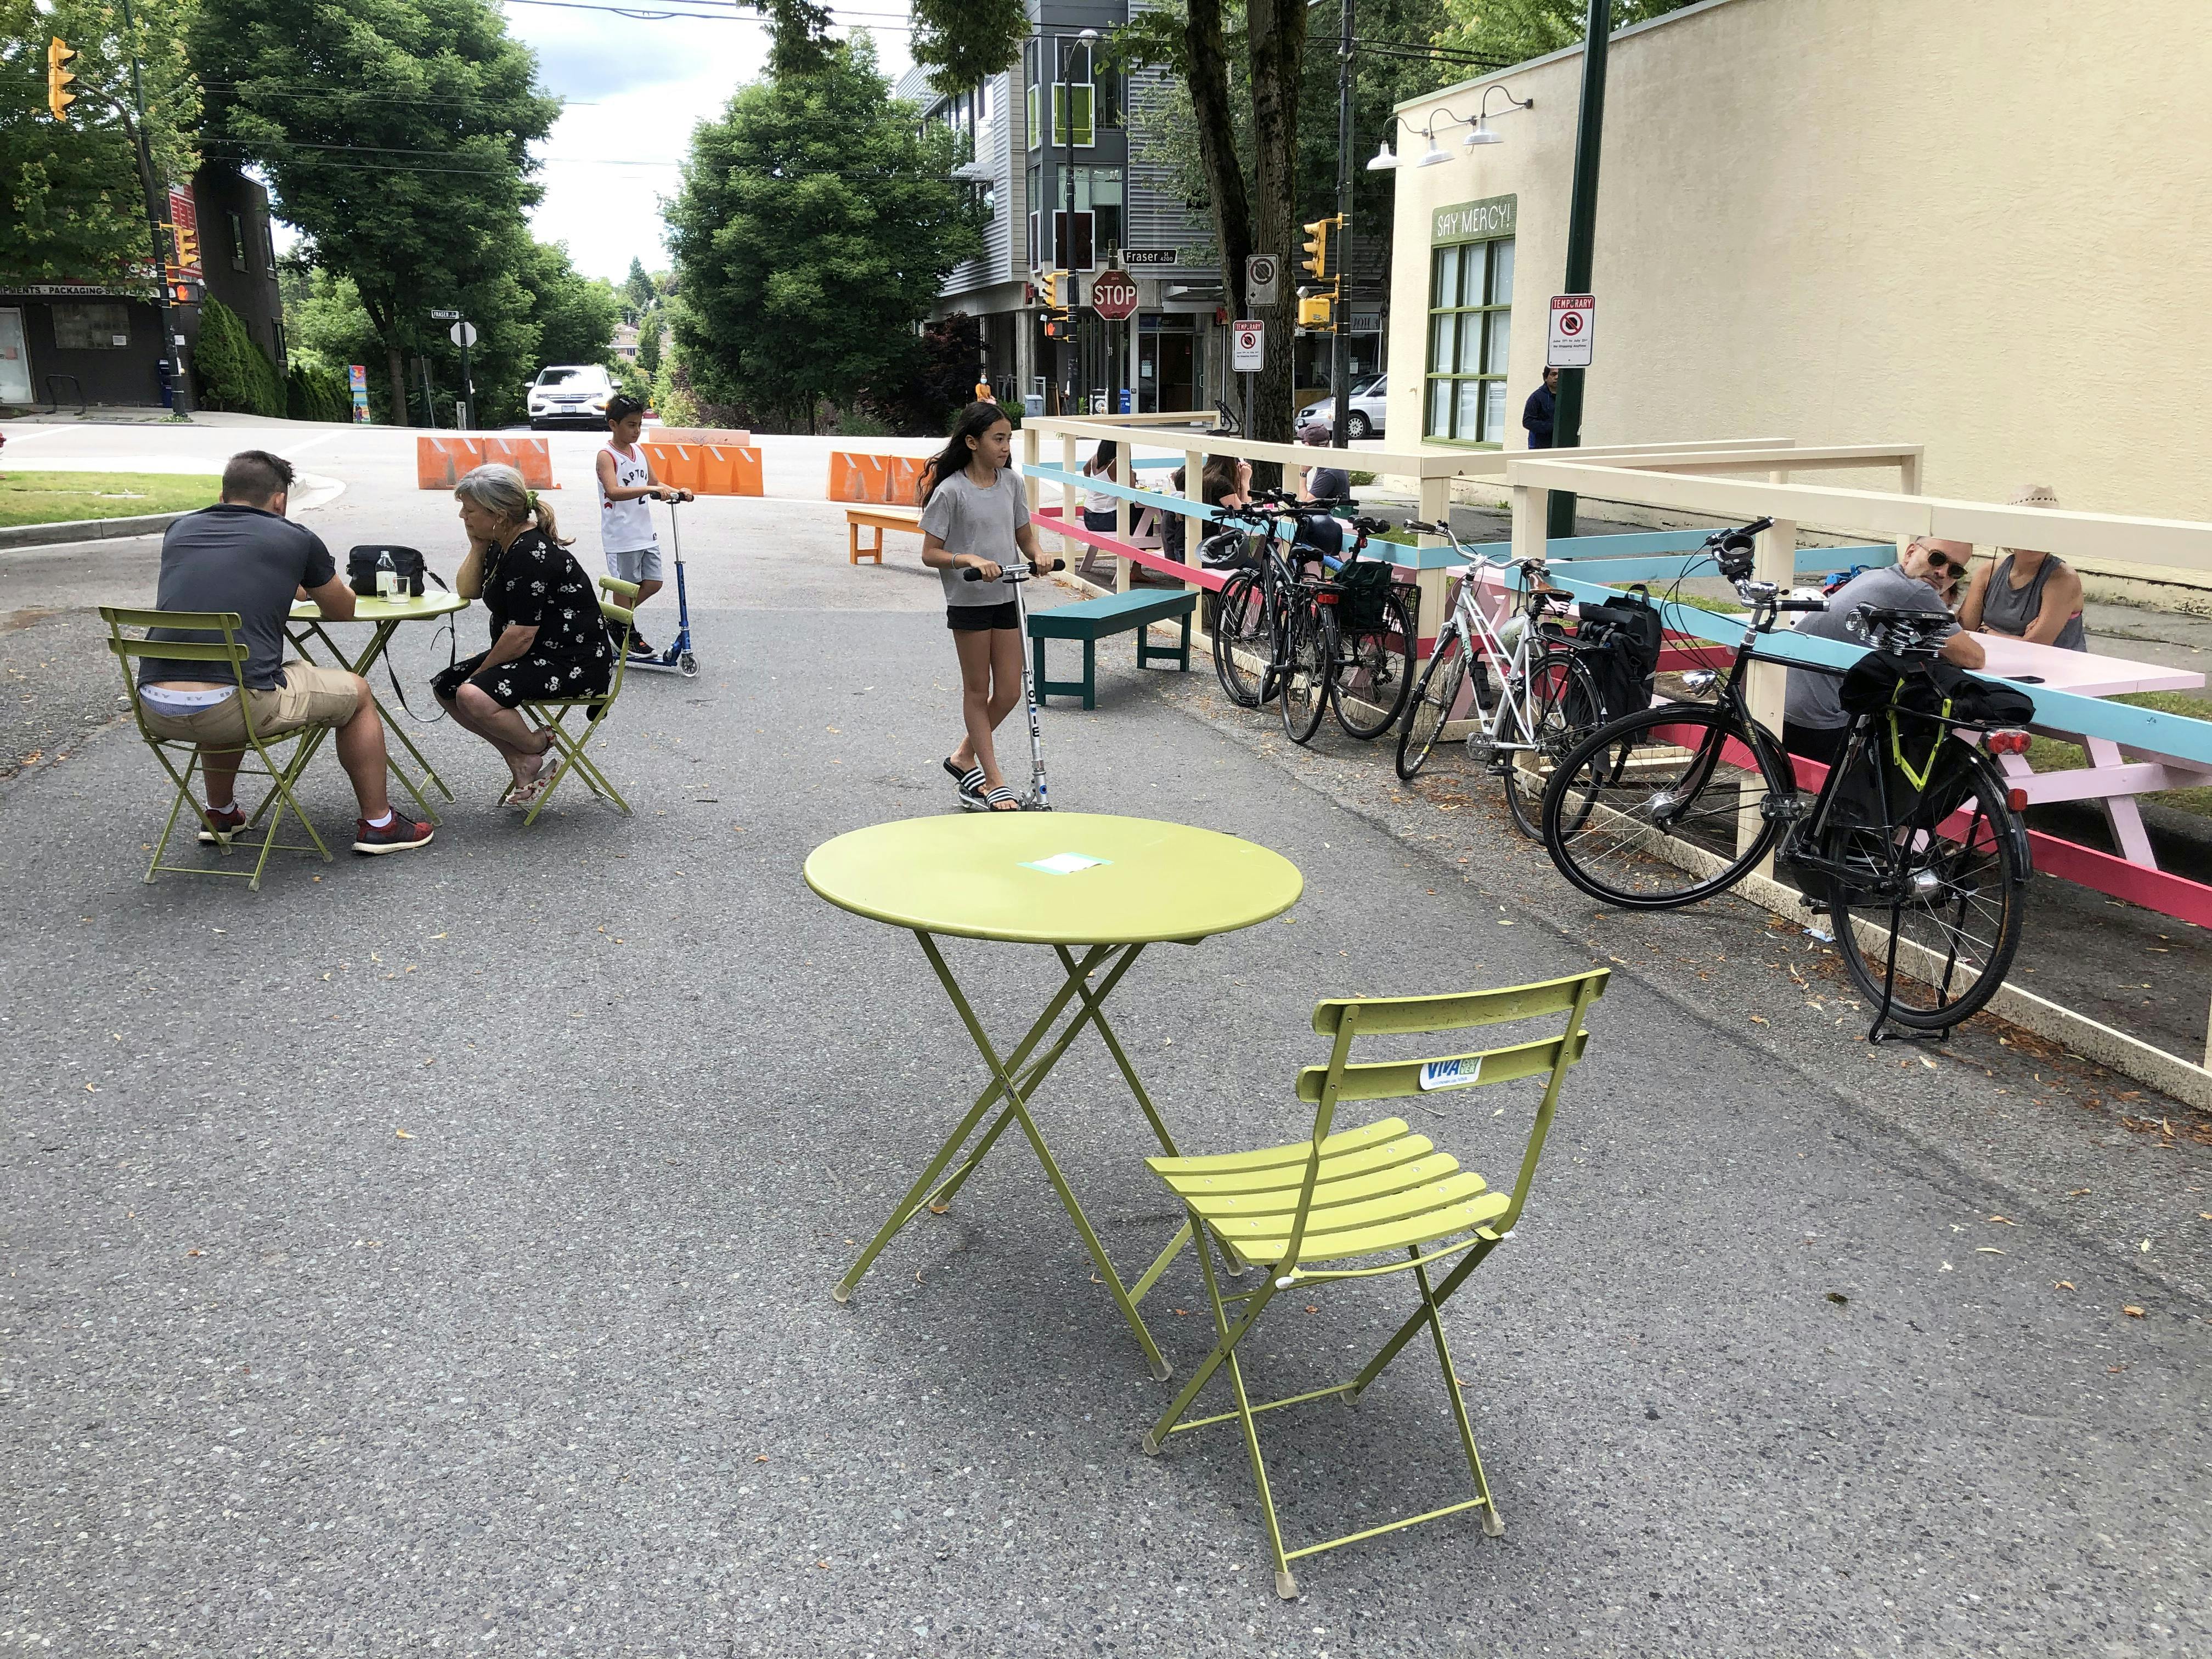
(85, 530)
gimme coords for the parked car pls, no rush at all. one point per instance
(1368, 397)
(570, 394)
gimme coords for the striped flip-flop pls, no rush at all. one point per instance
(969, 784)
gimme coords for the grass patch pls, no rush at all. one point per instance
(2056, 755)
(70, 497)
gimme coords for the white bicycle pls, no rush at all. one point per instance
(1533, 700)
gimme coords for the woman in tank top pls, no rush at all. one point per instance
(2026, 594)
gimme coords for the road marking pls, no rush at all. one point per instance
(290, 450)
(36, 432)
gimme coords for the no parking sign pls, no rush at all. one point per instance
(1574, 321)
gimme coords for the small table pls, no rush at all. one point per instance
(1097, 890)
(384, 616)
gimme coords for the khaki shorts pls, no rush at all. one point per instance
(309, 697)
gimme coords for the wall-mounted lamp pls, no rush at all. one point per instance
(1386, 160)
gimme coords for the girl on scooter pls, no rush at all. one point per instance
(975, 517)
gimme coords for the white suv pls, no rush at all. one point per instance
(574, 394)
(1369, 399)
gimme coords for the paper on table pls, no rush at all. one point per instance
(1065, 863)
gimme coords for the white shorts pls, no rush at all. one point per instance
(634, 564)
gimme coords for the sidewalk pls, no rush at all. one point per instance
(557, 1366)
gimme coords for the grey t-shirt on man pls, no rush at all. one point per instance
(969, 519)
(1816, 699)
(234, 558)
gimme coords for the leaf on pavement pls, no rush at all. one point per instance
(403, 1134)
(2062, 1283)
(2132, 1312)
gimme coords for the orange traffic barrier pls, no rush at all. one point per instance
(885, 480)
(745, 470)
(531, 457)
(439, 462)
(673, 463)
(728, 470)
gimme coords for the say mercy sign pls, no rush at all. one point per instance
(1475, 221)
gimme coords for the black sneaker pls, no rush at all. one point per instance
(638, 648)
(397, 837)
(228, 822)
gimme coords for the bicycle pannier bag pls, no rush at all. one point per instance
(1618, 641)
(1366, 584)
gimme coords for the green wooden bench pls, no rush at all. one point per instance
(1094, 619)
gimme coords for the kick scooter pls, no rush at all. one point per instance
(1016, 575)
(678, 658)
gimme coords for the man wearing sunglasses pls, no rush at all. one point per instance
(1813, 723)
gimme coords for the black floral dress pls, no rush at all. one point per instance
(535, 583)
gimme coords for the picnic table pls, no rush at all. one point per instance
(1095, 889)
(384, 616)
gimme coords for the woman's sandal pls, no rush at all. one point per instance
(969, 784)
(521, 794)
(1002, 799)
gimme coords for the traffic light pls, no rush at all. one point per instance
(59, 96)
(1055, 290)
(188, 244)
(1314, 312)
(1316, 262)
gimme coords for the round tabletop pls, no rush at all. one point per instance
(1054, 877)
(434, 602)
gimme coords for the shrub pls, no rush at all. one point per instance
(314, 393)
(233, 373)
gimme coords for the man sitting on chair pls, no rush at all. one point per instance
(242, 555)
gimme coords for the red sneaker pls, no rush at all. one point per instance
(226, 821)
(397, 837)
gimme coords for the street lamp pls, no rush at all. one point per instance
(1385, 161)
(1481, 133)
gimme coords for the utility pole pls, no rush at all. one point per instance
(1581, 233)
(1066, 100)
(180, 396)
(1340, 372)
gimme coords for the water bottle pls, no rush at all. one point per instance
(387, 577)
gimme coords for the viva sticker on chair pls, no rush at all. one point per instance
(1461, 1074)
(1065, 864)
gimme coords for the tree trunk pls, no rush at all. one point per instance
(1278, 34)
(1216, 143)
(380, 318)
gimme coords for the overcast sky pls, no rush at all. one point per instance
(634, 89)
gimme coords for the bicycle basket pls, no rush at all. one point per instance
(1366, 584)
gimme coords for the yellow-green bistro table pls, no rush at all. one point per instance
(384, 617)
(1096, 890)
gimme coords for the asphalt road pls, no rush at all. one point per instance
(431, 1253)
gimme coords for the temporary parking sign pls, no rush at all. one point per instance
(1248, 347)
(1574, 320)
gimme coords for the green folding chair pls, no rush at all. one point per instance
(551, 716)
(230, 652)
(1313, 1212)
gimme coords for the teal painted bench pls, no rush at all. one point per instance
(1093, 620)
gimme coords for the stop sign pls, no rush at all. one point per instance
(1113, 295)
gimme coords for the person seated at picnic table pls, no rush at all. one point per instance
(1322, 483)
(1226, 481)
(547, 639)
(1099, 507)
(1813, 723)
(242, 555)
(2027, 595)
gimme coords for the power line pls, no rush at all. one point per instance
(889, 22)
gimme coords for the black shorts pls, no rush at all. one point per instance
(965, 618)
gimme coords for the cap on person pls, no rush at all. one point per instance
(2034, 495)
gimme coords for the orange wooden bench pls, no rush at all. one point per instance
(879, 518)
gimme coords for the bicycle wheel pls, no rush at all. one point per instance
(1963, 906)
(1563, 709)
(1375, 673)
(1301, 682)
(1243, 639)
(1432, 702)
(1665, 806)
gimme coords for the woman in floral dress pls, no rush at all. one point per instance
(547, 639)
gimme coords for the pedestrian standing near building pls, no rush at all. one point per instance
(1538, 414)
(627, 537)
(2027, 595)
(974, 517)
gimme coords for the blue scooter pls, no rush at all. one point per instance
(678, 658)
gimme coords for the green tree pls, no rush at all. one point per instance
(637, 290)
(649, 329)
(1513, 31)
(73, 194)
(816, 220)
(394, 136)
(230, 367)
(575, 314)
(961, 42)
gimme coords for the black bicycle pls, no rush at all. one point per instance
(1289, 629)
(1914, 842)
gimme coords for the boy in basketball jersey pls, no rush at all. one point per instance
(626, 484)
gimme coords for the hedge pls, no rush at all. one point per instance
(232, 372)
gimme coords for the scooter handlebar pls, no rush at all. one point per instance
(969, 573)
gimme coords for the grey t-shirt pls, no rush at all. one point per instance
(1329, 483)
(1816, 699)
(969, 519)
(233, 558)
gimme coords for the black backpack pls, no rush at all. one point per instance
(1618, 641)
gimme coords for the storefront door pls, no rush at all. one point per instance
(1166, 372)
(15, 359)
